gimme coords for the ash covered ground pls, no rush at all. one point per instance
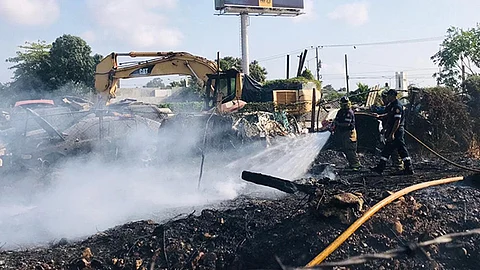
(248, 230)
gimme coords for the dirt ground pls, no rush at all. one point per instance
(249, 233)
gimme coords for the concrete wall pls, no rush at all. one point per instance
(149, 95)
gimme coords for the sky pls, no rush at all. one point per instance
(192, 26)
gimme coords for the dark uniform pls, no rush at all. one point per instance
(395, 112)
(346, 134)
(397, 161)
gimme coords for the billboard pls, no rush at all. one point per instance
(273, 4)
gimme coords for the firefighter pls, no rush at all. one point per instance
(344, 130)
(394, 118)
(397, 161)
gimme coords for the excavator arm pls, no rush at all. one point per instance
(109, 71)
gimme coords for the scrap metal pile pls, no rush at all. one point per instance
(37, 134)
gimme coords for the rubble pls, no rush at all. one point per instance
(251, 232)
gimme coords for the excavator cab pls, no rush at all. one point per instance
(222, 87)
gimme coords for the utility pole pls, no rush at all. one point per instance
(346, 74)
(288, 66)
(318, 63)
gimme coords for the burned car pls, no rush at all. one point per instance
(134, 107)
(41, 148)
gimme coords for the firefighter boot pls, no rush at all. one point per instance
(408, 167)
(380, 167)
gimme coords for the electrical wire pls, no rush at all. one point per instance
(380, 43)
(404, 41)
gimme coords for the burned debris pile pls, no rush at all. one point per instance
(251, 232)
(37, 134)
(305, 214)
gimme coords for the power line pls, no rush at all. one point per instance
(403, 41)
(383, 65)
(381, 71)
(281, 55)
(393, 42)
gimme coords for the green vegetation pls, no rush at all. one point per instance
(460, 48)
(183, 107)
(290, 84)
(257, 72)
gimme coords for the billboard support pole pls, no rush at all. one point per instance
(244, 38)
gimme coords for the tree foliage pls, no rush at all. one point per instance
(257, 72)
(472, 86)
(441, 119)
(70, 61)
(329, 93)
(30, 65)
(360, 95)
(181, 83)
(40, 67)
(307, 74)
(229, 62)
(155, 83)
(190, 91)
(460, 48)
(3, 93)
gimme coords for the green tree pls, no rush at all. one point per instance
(360, 95)
(307, 74)
(30, 68)
(328, 88)
(329, 93)
(257, 72)
(194, 85)
(70, 61)
(3, 92)
(472, 86)
(181, 83)
(229, 62)
(460, 48)
(39, 66)
(155, 83)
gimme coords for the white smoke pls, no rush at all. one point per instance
(87, 195)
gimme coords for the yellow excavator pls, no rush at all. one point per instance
(221, 87)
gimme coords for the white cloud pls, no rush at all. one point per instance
(88, 36)
(354, 14)
(309, 10)
(333, 68)
(30, 12)
(139, 23)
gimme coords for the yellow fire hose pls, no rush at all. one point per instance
(359, 222)
(440, 156)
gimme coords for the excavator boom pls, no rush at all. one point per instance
(109, 70)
